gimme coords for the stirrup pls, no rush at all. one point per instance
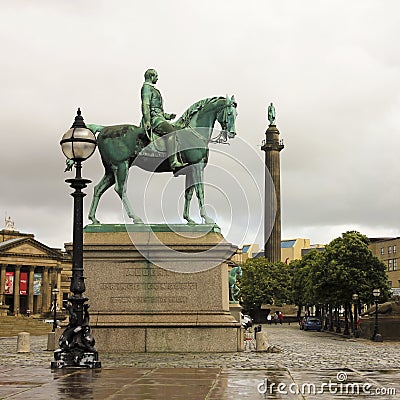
(177, 164)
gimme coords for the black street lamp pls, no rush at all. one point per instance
(55, 292)
(355, 301)
(76, 343)
(376, 337)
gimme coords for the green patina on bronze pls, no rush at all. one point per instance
(108, 228)
(271, 114)
(234, 290)
(147, 147)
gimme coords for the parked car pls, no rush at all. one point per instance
(247, 322)
(311, 324)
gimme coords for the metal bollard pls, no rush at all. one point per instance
(257, 329)
(23, 342)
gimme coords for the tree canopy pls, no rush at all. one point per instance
(264, 282)
(345, 267)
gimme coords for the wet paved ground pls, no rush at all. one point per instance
(322, 362)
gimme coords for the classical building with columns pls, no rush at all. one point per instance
(30, 271)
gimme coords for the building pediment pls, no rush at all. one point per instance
(28, 247)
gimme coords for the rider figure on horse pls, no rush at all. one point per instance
(155, 119)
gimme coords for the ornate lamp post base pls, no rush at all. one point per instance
(75, 359)
(377, 338)
(76, 343)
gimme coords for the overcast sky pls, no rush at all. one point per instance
(332, 70)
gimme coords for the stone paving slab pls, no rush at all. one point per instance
(306, 358)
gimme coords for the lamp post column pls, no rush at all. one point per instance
(55, 292)
(76, 343)
(78, 280)
(376, 337)
(355, 300)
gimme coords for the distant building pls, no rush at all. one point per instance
(296, 249)
(247, 251)
(387, 250)
(29, 271)
(291, 249)
(318, 247)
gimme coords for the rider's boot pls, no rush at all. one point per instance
(172, 152)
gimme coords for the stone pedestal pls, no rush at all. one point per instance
(159, 289)
(236, 311)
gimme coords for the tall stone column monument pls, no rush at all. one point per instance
(272, 201)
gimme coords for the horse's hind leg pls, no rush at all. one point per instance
(121, 176)
(106, 182)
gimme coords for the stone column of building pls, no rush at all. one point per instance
(272, 237)
(2, 284)
(30, 288)
(45, 290)
(17, 277)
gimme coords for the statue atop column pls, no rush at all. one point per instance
(9, 224)
(271, 114)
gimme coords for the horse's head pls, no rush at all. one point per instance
(227, 116)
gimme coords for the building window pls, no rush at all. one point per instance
(382, 250)
(395, 264)
(394, 249)
(390, 283)
(390, 265)
(390, 250)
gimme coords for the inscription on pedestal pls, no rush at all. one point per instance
(157, 300)
(118, 287)
(148, 286)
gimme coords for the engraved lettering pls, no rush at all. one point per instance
(122, 286)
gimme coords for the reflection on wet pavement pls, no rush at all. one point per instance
(195, 384)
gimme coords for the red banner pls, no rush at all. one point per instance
(23, 283)
(9, 286)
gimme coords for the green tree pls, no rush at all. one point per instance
(352, 268)
(264, 282)
(308, 277)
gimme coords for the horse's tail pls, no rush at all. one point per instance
(95, 128)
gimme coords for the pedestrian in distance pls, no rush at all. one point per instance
(269, 319)
(280, 317)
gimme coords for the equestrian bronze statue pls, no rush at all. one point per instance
(159, 145)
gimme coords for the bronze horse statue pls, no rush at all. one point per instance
(122, 146)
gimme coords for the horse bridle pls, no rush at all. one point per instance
(222, 138)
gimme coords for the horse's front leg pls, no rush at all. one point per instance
(121, 176)
(199, 186)
(189, 189)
